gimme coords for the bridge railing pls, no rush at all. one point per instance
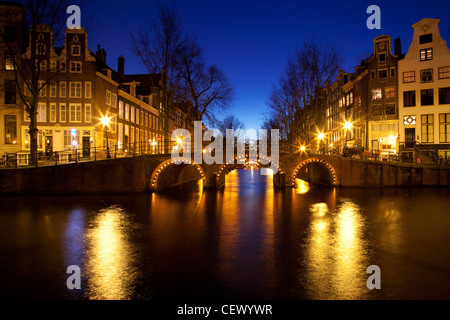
(54, 158)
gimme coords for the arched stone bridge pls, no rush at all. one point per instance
(157, 172)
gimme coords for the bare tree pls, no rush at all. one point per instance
(157, 47)
(295, 102)
(205, 88)
(31, 29)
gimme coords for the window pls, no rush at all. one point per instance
(444, 72)
(444, 127)
(127, 111)
(376, 110)
(427, 128)
(43, 66)
(114, 101)
(76, 50)
(53, 90)
(426, 75)
(42, 87)
(53, 66)
(426, 54)
(427, 97)
(40, 49)
(88, 90)
(10, 92)
(62, 66)
(390, 109)
(75, 90)
(132, 114)
(71, 141)
(372, 75)
(52, 112)
(75, 113)
(75, 66)
(62, 89)
(390, 92)
(62, 113)
(121, 109)
(382, 57)
(108, 98)
(376, 94)
(87, 113)
(41, 112)
(382, 74)
(409, 77)
(409, 99)
(9, 62)
(444, 95)
(393, 73)
(10, 129)
(426, 38)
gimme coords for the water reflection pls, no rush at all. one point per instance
(336, 253)
(110, 265)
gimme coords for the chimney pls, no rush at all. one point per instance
(398, 47)
(101, 55)
(121, 66)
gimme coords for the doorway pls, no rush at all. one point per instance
(410, 138)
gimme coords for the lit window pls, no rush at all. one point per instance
(9, 62)
(62, 113)
(376, 94)
(62, 89)
(426, 54)
(427, 128)
(75, 113)
(444, 128)
(52, 112)
(444, 72)
(108, 98)
(390, 92)
(87, 112)
(409, 77)
(75, 90)
(53, 90)
(88, 90)
(41, 113)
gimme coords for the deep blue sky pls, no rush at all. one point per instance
(252, 40)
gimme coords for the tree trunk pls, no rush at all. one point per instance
(33, 131)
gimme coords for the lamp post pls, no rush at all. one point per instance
(348, 126)
(105, 122)
(321, 137)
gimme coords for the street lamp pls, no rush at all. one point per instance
(321, 137)
(347, 126)
(105, 122)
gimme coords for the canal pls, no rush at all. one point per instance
(247, 241)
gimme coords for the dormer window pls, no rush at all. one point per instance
(40, 49)
(75, 66)
(76, 50)
(382, 57)
(426, 54)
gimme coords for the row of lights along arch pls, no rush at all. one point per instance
(166, 164)
(333, 172)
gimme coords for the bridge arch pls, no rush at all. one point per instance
(171, 164)
(325, 164)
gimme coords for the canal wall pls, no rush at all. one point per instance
(355, 173)
(105, 176)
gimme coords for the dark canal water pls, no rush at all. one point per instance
(248, 241)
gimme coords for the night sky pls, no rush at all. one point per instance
(252, 40)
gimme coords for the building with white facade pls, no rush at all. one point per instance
(424, 95)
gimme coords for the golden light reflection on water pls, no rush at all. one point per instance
(336, 254)
(110, 261)
(301, 186)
